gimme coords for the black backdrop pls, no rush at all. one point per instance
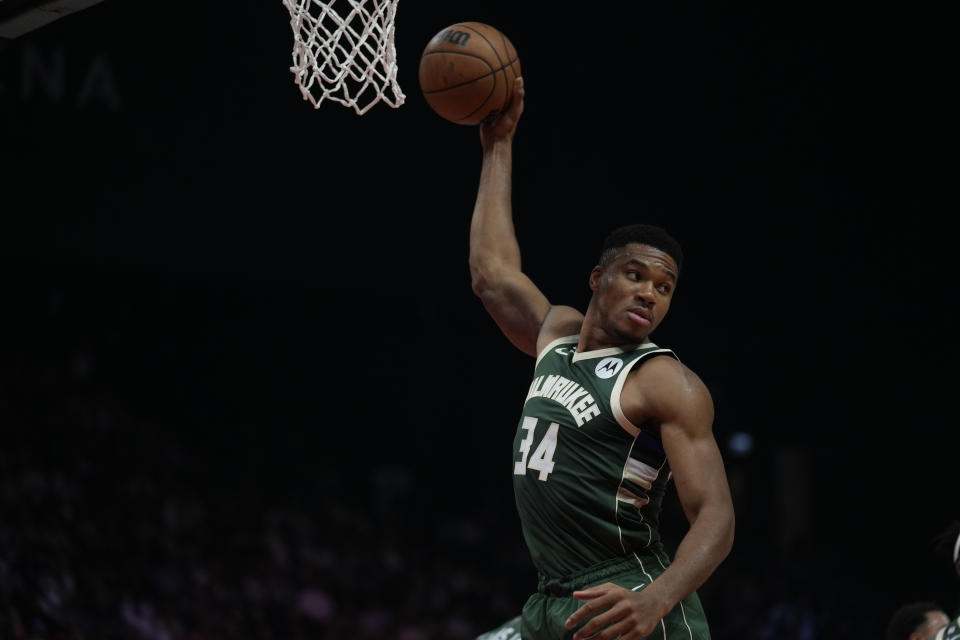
(285, 288)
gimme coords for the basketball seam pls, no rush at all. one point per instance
(492, 71)
(472, 55)
(479, 106)
(503, 66)
(485, 39)
(509, 97)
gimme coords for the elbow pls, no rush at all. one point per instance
(491, 269)
(482, 278)
(478, 283)
(729, 543)
(720, 521)
(729, 530)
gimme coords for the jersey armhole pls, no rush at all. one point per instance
(615, 405)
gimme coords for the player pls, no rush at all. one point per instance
(608, 419)
(927, 620)
(949, 545)
(916, 621)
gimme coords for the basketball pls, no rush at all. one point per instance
(467, 72)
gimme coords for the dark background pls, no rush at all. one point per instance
(242, 363)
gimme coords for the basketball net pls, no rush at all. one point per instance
(348, 57)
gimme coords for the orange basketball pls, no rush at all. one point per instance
(467, 72)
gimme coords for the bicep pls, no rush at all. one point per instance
(698, 471)
(692, 451)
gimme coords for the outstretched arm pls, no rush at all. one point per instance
(516, 304)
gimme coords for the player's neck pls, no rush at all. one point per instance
(594, 336)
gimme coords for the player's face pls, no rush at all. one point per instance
(634, 291)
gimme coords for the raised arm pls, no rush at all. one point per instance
(516, 304)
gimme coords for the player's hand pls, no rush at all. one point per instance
(617, 613)
(505, 122)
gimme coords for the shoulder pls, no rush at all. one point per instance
(561, 321)
(663, 389)
(670, 370)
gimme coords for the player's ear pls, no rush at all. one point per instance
(595, 277)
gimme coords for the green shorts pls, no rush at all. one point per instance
(546, 611)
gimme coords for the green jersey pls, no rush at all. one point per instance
(588, 483)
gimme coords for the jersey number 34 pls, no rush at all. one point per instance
(542, 458)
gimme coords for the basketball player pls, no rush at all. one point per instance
(608, 419)
(916, 621)
(949, 545)
(927, 620)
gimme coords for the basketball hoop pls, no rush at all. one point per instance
(348, 57)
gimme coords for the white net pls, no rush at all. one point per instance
(347, 56)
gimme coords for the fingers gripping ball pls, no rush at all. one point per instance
(467, 72)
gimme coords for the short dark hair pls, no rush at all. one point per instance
(648, 234)
(909, 618)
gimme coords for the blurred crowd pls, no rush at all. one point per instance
(119, 520)
(118, 527)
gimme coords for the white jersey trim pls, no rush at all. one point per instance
(683, 611)
(554, 344)
(663, 625)
(610, 351)
(596, 353)
(615, 406)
